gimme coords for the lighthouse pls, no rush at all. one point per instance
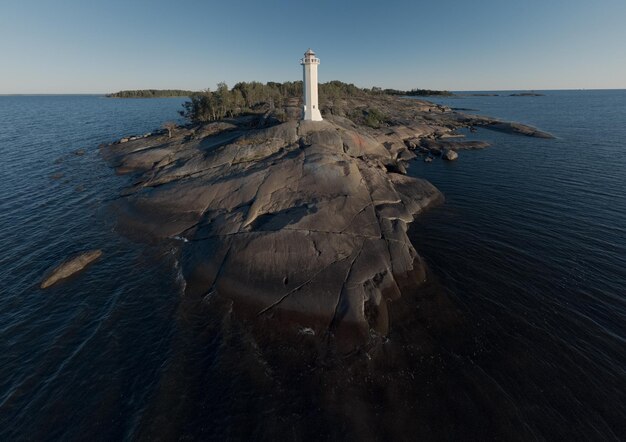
(310, 109)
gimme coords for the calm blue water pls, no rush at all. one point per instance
(523, 339)
(532, 243)
(79, 355)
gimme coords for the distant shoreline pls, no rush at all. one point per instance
(145, 98)
(151, 93)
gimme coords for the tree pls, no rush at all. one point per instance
(222, 100)
(169, 126)
(258, 97)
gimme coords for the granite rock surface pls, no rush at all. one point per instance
(299, 224)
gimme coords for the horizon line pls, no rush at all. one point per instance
(16, 94)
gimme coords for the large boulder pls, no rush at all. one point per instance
(450, 155)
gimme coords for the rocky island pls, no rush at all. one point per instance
(298, 225)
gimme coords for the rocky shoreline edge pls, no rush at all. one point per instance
(299, 226)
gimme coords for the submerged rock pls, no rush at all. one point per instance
(70, 267)
(518, 129)
(503, 126)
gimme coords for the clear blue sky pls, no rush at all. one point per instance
(102, 46)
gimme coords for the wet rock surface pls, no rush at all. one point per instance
(70, 267)
(438, 147)
(450, 155)
(299, 225)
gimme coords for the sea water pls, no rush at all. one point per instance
(520, 335)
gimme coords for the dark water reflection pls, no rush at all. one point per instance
(232, 380)
(531, 245)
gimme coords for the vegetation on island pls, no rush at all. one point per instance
(151, 93)
(252, 97)
(241, 99)
(370, 116)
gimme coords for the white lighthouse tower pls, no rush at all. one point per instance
(310, 109)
